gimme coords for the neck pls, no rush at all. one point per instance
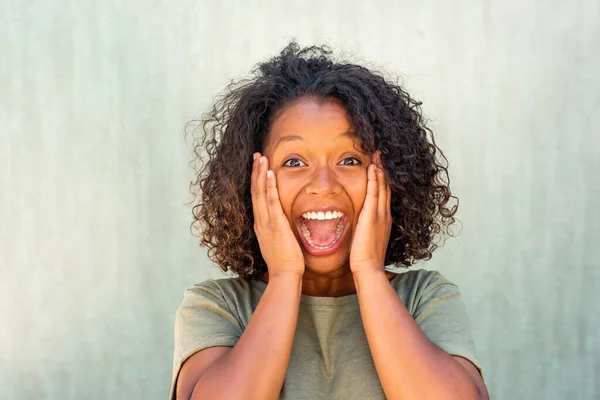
(327, 285)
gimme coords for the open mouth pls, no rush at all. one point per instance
(321, 231)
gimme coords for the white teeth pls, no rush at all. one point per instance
(320, 215)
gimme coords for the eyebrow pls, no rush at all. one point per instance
(293, 138)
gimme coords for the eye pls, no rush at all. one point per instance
(351, 161)
(293, 163)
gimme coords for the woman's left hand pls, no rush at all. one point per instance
(372, 233)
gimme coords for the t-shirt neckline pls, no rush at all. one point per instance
(323, 301)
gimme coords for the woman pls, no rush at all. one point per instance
(319, 175)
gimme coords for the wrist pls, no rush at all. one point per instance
(287, 282)
(364, 276)
(368, 267)
(284, 276)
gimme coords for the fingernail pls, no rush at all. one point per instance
(269, 174)
(254, 156)
(261, 160)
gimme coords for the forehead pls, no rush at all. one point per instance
(310, 120)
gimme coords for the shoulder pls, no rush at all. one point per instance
(417, 286)
(213, 308)
(219, 289)
(212, 313)
(437, 307)
(419, 280)
(231, 298)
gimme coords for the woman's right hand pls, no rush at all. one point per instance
(278, 245)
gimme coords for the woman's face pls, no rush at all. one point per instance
(321, 179)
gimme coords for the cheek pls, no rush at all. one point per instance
(357, 190)
(287, 188)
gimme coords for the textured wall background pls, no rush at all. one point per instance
(95, 250)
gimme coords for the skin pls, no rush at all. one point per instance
(318, 136)
(317, 161)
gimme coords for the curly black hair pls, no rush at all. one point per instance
(385, 118)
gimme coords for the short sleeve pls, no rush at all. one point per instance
(442, 316)
(203, 320)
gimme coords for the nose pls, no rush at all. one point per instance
(323, 181)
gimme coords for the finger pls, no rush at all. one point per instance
(382, 186)
(376, 158)
(388, 200)
(260, 192)
(273, 203)
(371, 199)
(253, 189)
(254, 173)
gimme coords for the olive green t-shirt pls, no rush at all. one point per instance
(330, 356)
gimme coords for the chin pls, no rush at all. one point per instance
(326, 265)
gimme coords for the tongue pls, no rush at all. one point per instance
(322, 232)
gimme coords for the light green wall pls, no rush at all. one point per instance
(95, 250)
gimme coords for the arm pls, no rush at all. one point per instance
(255, 367)
(394, 337)
(408, 364)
